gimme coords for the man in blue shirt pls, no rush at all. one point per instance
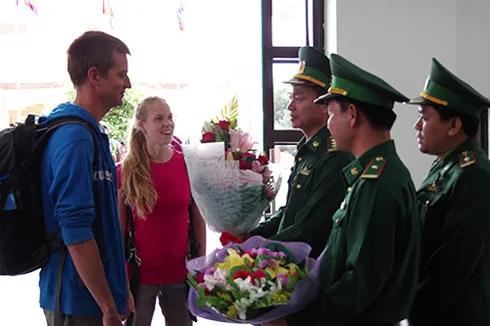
(94, 288)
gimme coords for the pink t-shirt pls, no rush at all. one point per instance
(162, 238)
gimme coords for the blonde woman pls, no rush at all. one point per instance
(154, 183)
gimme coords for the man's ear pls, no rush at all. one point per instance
(93, 75)
(455, 126)
(353, 115)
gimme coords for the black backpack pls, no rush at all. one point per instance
(25, 246)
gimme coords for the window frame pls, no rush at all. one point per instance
(482, 135)
(285, 54)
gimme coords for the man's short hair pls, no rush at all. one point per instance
(470, 123)
(318, 90)
(93, 49)
(378, 117)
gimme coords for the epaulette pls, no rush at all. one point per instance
(466, 158)
(331, 144)
(374, 168)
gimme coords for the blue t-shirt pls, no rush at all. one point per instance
(67, 178)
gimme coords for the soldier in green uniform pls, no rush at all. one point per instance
(369, 272)
(316, 188)
(454, 286)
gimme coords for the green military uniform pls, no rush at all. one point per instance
(315, 186)
(454, 286)
(369, 271)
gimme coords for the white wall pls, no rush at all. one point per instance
(395, 39)
(474, 44)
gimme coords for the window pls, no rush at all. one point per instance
(287, 25)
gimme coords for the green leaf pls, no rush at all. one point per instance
(292, 281)
(231, 283)
(218, 137)
(230, 112)
(248, 262)
(236, 294)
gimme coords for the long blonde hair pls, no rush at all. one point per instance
(136, 167)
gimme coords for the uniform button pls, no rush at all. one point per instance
(337, 221)
(349, 189)
(300, 159)
(298, 186)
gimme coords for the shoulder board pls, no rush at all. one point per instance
(331, 145)
(466, 158)
(374, 168)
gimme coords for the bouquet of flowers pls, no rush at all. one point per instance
(230, 183)
(254, 282)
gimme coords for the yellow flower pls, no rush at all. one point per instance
(232, 312)
(273, 272)
(231, 261)
(229, 156)
(224, 296)
(292, 267)
(281, 296)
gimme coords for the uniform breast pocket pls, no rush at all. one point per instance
(339, 216)
(432, 207)
(432, 200)
(336, 245)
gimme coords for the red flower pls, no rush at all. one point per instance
(208, 137)
(200, 278)
(245, 165)
(263, 160)
(207, 292)
(258, 274)
(223, 125)
(243, 274)
(246, 160)
(226, 238)
(251, 254)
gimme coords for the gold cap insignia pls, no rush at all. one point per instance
(302, 66)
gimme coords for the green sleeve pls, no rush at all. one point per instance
(269, 227)
(451, 265)
(314, 219)
(370, 239)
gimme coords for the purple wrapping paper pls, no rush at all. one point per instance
(305, 291)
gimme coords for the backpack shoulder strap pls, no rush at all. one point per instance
(63, 121)
(53, 125)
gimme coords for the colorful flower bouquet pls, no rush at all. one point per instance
(230, 183)
(253, 282)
